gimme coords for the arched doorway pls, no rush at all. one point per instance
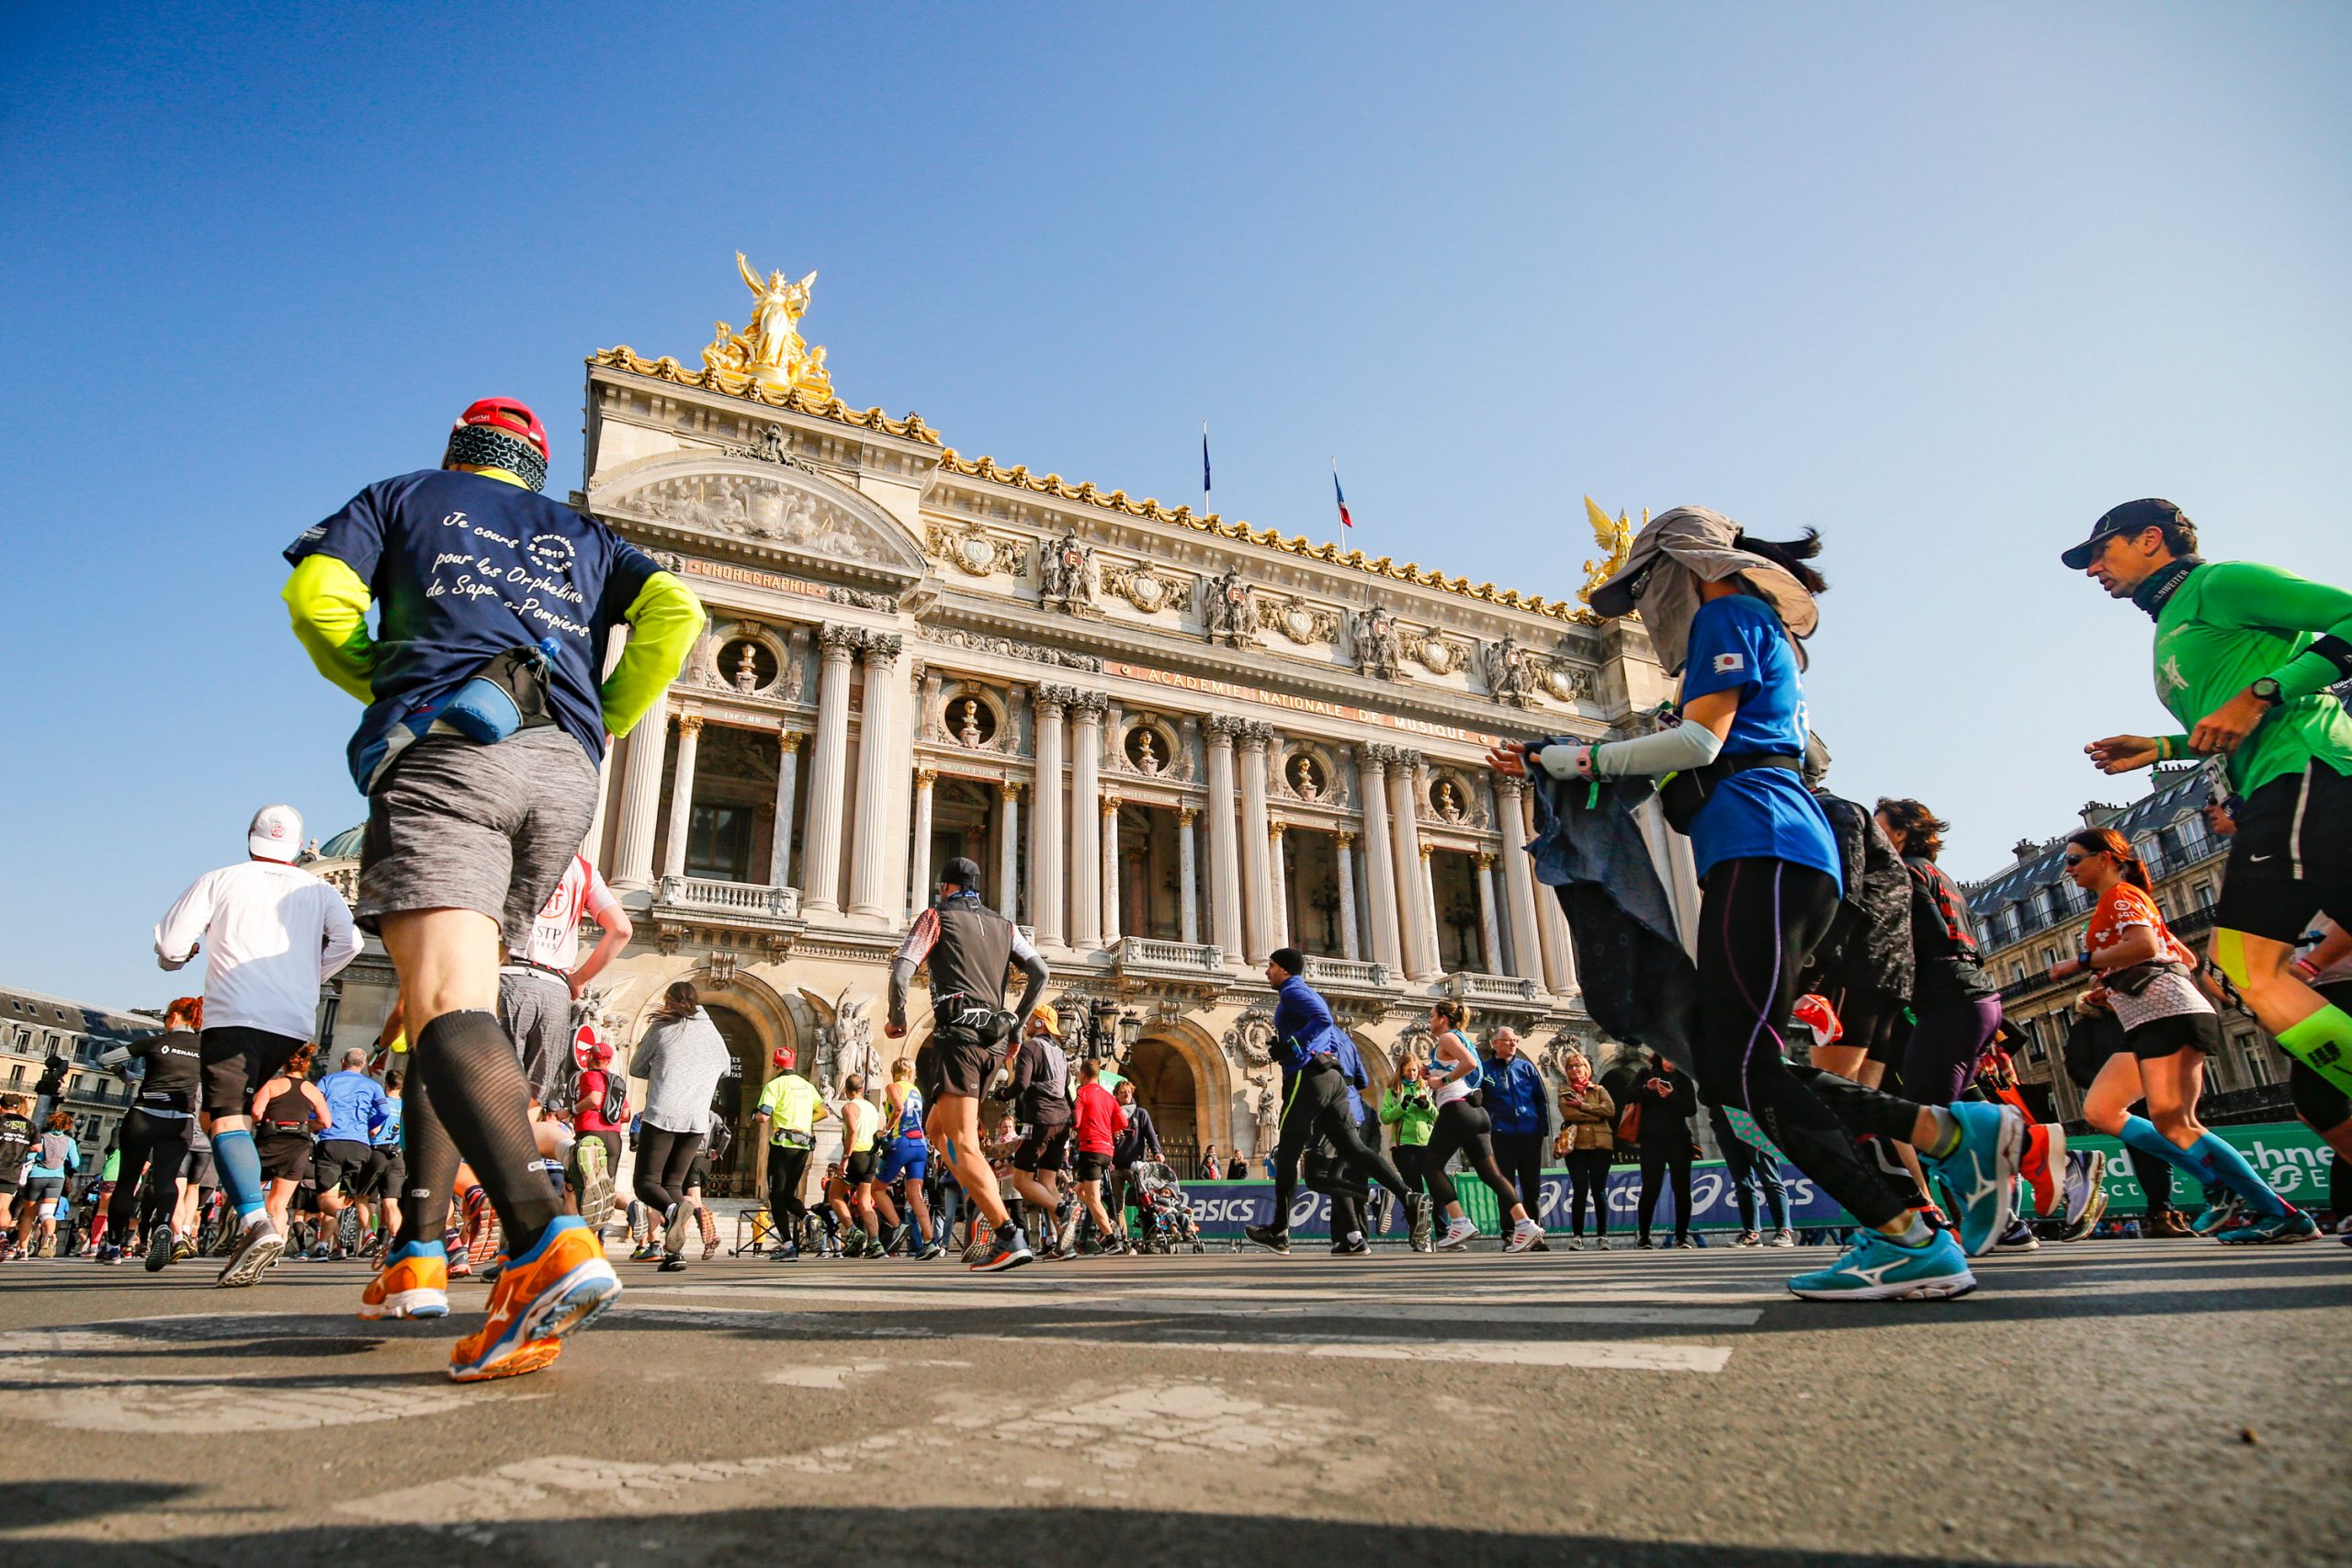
(735, 1173)
(1165, 1088)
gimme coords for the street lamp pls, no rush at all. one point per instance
(1130, 1029)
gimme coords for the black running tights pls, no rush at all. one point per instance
(159, 1144)
(1466, 1128)
(1319, 1108)
(664, 1160)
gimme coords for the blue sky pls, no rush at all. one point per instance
(1943, 282)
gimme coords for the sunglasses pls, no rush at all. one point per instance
(2076, 857)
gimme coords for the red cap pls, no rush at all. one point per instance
(507, 414)
(783, 1058)
(1816, 1017)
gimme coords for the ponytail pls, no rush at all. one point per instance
(1790, 557)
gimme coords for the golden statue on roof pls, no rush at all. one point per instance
(771, 350)
(1615, 537)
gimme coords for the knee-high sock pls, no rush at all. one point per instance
(475, 1080)
(2217, 1164)
(432, 1161)
(239, 1164)
(2141, 1134)
(2323, 1044)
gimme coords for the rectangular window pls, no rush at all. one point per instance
(718, 843)
(2204, 894)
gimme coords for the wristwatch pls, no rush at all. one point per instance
(2267, 690)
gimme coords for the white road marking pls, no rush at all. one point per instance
(839, 1376)
(1066, 1299)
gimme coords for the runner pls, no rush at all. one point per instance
(386, 1170)
(909, 1161)
(288, 1112)
(2145, 975)
(600, 1114)
(790, 1108)
(2245, 655)
(357, 1110)
(18, 1140)
(153, 1137)
(1098, 1122)
(1404, 1105)
(1040, 1094)
(479, 753)
(1323, 1080)
(54, 1157)
(538, 983)
(681, 1058)
(2326, 1109)
(859, 1162)
(1727, 613)
(271, 935)
(968, 949)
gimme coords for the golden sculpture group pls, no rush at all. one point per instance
(771, 350)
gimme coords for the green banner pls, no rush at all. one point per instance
(2286, 1154)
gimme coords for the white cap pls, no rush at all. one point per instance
(276, 833)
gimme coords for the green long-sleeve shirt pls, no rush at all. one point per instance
(1411, 1116)
(2231, 623)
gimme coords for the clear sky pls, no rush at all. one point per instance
(1944, 282)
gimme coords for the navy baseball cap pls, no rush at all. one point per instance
(2131, 517)
(963, 871)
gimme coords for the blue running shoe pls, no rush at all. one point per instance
(1979, 1172)
(2291, 1227)
(2225, 1210)
(1876, 1269)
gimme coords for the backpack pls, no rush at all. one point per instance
(615, 1110)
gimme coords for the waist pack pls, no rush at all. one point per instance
(2133, 981)
(1682, 796)
(507, 695)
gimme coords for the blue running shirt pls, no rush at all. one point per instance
(1737, 644)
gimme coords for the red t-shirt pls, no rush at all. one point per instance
(1099, 1120)
(588, 1115)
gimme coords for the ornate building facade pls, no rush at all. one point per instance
(1172, 743)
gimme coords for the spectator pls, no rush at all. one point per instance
(1753, 1173)
(1407, 1107)
(1517, 1103)
(1139, 1140)
(1211, 1168)
(1588, 1141)
(1238, 1171)
(1667, 1098)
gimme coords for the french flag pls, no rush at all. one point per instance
(1340, 495)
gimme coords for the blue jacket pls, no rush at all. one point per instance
(1515, 1095)
(1303, 1028)
(357, 1104)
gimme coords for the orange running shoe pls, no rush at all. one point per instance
(414, 1282)
(2045, 1168)
(558, 1287)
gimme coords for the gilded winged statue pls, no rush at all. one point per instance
(1615, 537)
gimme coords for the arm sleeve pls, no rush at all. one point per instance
(1034, 969)
(183, 924)
(2262, 598)
(328, 601)
(1652, 755)
(902, 975)
(664, 619)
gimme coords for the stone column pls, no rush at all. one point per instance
(1188, 902)
(1551, 924)
(1431, 942)
(1008, 850)
(1490, 940)
(682, 794)
(919, 863)
(1085, 831)
(641, 801)
(1257, 915)
(788, 789)
(869, 850)
(821, 858)
(1278, 885)
(1349, 944)
(1046, 818)
(1519, 885)
(1416, 916)
(1225, 870)
(1111, 804)
(1380, 858)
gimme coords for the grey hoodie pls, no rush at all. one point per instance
(681, 1061)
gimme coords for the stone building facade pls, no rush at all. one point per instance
(37, 1028)
(1173, 743)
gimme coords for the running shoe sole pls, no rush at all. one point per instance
(1943, 1289)
(569, 1306)
(997, 1262)
(1453, 1241)
(2095, 1206)
(2259, 1234)
(421, 1302)
(595, 1184)
(248, 1263)
(1523, 1243)
(161, 1252)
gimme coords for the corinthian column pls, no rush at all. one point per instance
(1110, 869)
(1491, 940)
(919, 860)
(1008, 850)
(820, 846)
(1380, 858)
(1085, 825)
(1224, 873)
(1277, 886)
(682, 794)
(1551, 924)
(1416, 915)
(1046, 818)
(868, 895)
(641, 801)
(1519, 885)
(1256, 914)
(787, 785)
(1188, 902)
(1350, 946)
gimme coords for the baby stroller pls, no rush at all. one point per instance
(1164, 1220)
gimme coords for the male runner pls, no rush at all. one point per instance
(909, 1160)
(17, 1140)
(272, 934)
(358, 1107)
(789, 1107)
(968, 949)
(2243, 657)
(1322, 1077)
(479, 753)
(540, 979)
(387, 1169)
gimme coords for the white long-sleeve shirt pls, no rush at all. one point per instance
(271, 933)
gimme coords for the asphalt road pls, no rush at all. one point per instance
(2121, 1402)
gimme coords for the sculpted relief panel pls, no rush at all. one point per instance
(753, 508)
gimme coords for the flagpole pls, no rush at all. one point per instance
(1204, 468)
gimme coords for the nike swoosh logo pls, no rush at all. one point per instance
(2258, 859)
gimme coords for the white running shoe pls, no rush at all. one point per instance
(1457, 1234)
(1524, 1234)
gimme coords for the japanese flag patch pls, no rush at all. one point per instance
(1730, 663)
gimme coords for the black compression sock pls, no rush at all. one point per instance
(475, 1078)
(432, 1161)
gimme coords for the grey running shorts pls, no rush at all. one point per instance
(537, 1009)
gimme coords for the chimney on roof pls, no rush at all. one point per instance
(2024, 850)
(2098, 814)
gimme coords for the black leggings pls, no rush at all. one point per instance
(1588, 1180)
(787, 1166)
(1464, 1128)
(1409, 1158)
(1318, 1109)
(1757, 919)
(1947, 1042)
(664, 1160)
(159, 1144)
(1656, 1162)
(1520, 1154)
